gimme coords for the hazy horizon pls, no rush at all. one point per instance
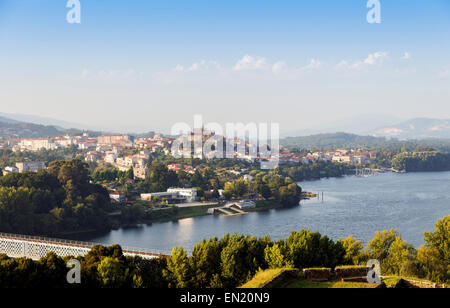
(145, 66)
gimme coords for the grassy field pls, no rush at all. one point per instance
(262, 278)
(266, 276)
(180, 213)
(304, 284)
(390, 281)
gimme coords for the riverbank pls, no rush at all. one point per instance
(182, 212)
(177, 213)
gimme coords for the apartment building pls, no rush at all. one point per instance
(140, 172)
(37, 144)
(30, 166)
(124, 140)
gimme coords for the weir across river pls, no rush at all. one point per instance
(34, 247)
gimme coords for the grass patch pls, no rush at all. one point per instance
(263, 277)
(304, 284)
(178, 213)
(187, 212)
(390, 281)
(350, 266)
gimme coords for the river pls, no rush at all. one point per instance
(411, 203)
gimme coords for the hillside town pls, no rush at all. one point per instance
(110, 149)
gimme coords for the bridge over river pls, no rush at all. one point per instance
(33, 247)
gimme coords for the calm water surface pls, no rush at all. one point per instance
(411, 203)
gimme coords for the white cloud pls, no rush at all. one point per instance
(179, 68)
(376, 58)
(407, 56)
(314, 64)
(279, 66)
(373, 59)
(250, 63)
(445, 73)
(198, 66)
(342, 65)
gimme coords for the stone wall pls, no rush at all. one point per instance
(317, 274)
(351, 272)
(410, 283)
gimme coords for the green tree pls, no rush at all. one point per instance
(391, 250)
(378, 247)
(178, 272)
(440, 239)
(400, 253)
(265, 191)
(275, 258)
(434, 257)
(354, 250)
(311, 249)
(112, 273)
(160, 178)
(290, 195)
(238, 188)
(52, 271)
(205, 262)
(16, 210)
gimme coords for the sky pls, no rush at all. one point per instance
(147, 65)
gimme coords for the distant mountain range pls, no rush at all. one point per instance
(12, 129)
(420, 128)
(382, 126)
(365, 126)
(42, 121)
(63, 125)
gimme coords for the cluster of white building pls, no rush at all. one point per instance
(173, 195)
(29, 166)
(341, 156)
(84, 142)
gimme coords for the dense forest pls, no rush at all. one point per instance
(317, 170)
(233, 260)
(422, 161)
(59, 199)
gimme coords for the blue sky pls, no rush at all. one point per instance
(141, 65)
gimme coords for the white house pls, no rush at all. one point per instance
(189, 193)
(118, 197)
(9, 170)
